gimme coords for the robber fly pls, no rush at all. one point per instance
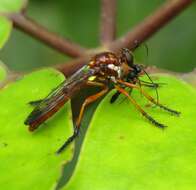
(103, 70)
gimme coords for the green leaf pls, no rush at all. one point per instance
(10, 6)
(3, 72)
(28, 160)
(122, 150)
(5, 30)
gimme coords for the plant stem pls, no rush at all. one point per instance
(37, 31)
(72, 66)
(140, 33)
(150, 25)
(108, 21)
(131, 40)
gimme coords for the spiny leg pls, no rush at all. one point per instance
(147, 84)
(87, 101)
(142, 83)
(130, 85)
(35, 103)
(153, 121)
(115, 97)
(151, 85)
(117, 94)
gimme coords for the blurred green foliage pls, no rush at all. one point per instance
(173, 47)
(5, 30)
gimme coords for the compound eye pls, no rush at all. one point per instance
(138, 69)
(129, 57)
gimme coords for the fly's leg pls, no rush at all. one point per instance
(87, 101)
(35, 103)
(143, 83)
(115, 97)
(117, 94)
(151, 85)
(130, 85)
(153, 121)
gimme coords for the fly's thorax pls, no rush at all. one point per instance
(108, 64)
(125, 70)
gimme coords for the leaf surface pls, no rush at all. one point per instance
(11, 6)
(28, 160)
(5, 30)
(122, 150)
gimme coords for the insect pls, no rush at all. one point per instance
(103, 70)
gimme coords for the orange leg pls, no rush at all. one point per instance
(88, 100)
(91, 99)
(153, 121)
(130, 85)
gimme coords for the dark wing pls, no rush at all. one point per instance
(60, 94)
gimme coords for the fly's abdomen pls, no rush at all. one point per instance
(39, 115)
(57, 98)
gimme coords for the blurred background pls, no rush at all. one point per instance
(173, 47)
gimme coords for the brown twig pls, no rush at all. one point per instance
(108, 21)
(132, 39)
(150, 25)
(37, 31)
(143, 30)
(70, 67)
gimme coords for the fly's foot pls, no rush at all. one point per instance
(69, 140)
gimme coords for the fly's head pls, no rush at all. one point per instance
(130, 70)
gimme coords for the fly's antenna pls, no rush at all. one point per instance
(129, 56)
(147, 53)
(137, 45)
(157, 95)
(146, 47)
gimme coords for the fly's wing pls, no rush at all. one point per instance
(60, 93)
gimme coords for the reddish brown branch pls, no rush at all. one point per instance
(37, 31)
(150, 25)
(144, 30)
(108, 21)
(72, 66)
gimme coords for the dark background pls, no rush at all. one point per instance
(173, 47)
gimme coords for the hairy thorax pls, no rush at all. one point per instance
(108, 63)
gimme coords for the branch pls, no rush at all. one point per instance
(141, 32)
(37, 31)
(150, 25)
(108, 21)
(72, 66)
